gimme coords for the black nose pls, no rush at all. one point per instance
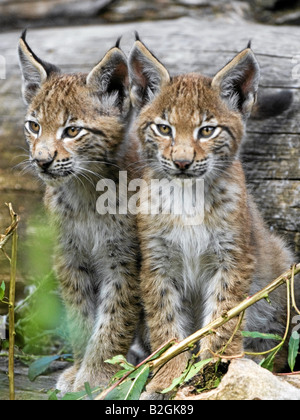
(45, 163)
(183, 165)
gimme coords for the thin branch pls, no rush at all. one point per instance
(288, 374)
(6, 255)
(11, 229)
(238, 325)
(288, 323)
(11, 232)
(293, 290)
(219, 322)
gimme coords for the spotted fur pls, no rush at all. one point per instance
(75, 127)
(191, 127)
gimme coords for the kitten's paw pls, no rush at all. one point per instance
(153, 392)
(93, 378)
(152, 396)
(164, 378)
(65, 383)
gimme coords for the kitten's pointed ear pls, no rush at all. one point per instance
(110, 77)
(147, 75)
(35, 71)
(238, 82)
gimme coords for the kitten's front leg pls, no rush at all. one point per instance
(167, 314)
(76, 287)
(119, 309)
(228, 288)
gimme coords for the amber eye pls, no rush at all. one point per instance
(72, 132)
(34, 127)
(206, 132)
(165, 130)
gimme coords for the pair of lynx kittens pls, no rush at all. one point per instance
(150, 277)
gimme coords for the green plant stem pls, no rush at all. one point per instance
(11, 308)
(293, 291)
(238, 325)
(219, 322)
(280, 345)
(9, 231)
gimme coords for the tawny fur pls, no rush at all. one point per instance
(97, 255)
(193, 274)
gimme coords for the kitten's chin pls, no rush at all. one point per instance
(188, 175)
(54, 180)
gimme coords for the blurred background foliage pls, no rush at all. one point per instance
(40, 316)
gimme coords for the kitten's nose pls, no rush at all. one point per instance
(183, 165)
(183, 157)
(44, 160)
(44, 164)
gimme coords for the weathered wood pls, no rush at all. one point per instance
(35, 10)
(39, 13)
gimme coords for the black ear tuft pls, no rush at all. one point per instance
(110, 79)
(24, 34)
(137, 36)
(238, 82)
(118, 43)
(147, 75)
(35, 71)
(49, 68)
(249, 46)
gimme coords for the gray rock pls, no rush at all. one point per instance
(246, 380)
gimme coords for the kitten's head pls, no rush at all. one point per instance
(191, 125)
(74, 123)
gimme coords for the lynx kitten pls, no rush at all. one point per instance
(191, 127)
(75, 126)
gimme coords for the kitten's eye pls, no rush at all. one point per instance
(72, 132)
(33, 127)
(206, 132)
(165, 130)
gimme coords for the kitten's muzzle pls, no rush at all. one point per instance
(183, 157)
(43, 161)
(183, 165)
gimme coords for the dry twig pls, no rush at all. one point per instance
(11, 232)
(219, 322)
